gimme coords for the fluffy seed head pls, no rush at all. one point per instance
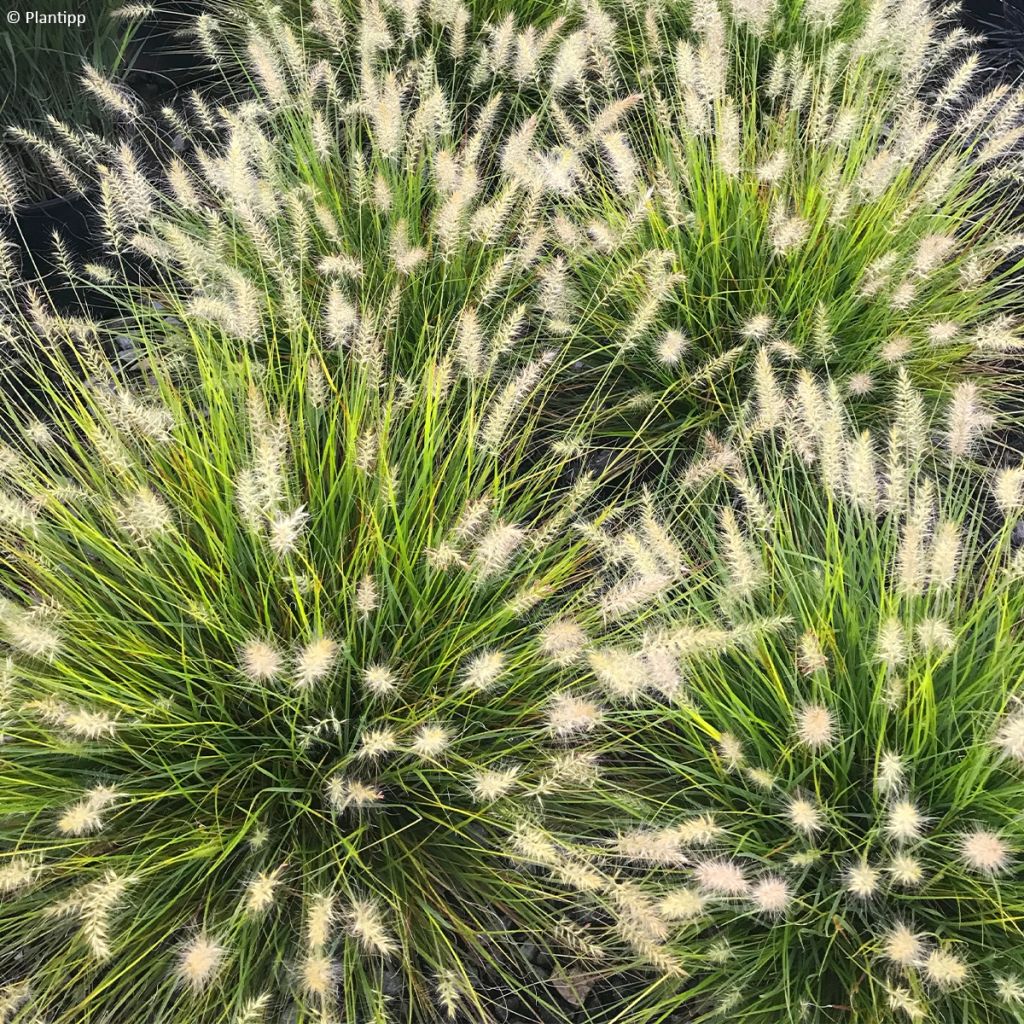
(17, 873)
(261, 891)
(88, 725)
(1008, 491)
(344, 793)
(967, 420)
(319, 919)
(620, 672)
(892, 643)
(367, 598)
(682, 904)
(145, 516)
(260, 661)
(901, 999)
(935, 636)
(890, 772)
(944, 970)
(29, 632)
(317, 975)
(863, 880)
(653, 846)
(804, 816)
(496, 549)
(431, 740)
(366, 923)
(761, 778)
(901, 946)
(757, 327)
(285, 531)
(377, 743)
(315, 661)
(860, 384)
(771, 895)
(906, 870)
(904, 822)
(730, 749)
(569, 715)
(671, 347)
(1010, 737)
(896, 349)
(85, 816)
(811, 658)
(701, 830)
(815, 726)
(721, 877)
(983, 850)
(494, 783)
(578, 768)
(483, 670)
(379, 680)
(1009, 989)
(199, 961)
(563, 641)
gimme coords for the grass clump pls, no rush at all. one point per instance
(296, 609)
(845, 199)
(845, 839)
(296, 685)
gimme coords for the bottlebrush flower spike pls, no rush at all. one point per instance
(199, 961)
